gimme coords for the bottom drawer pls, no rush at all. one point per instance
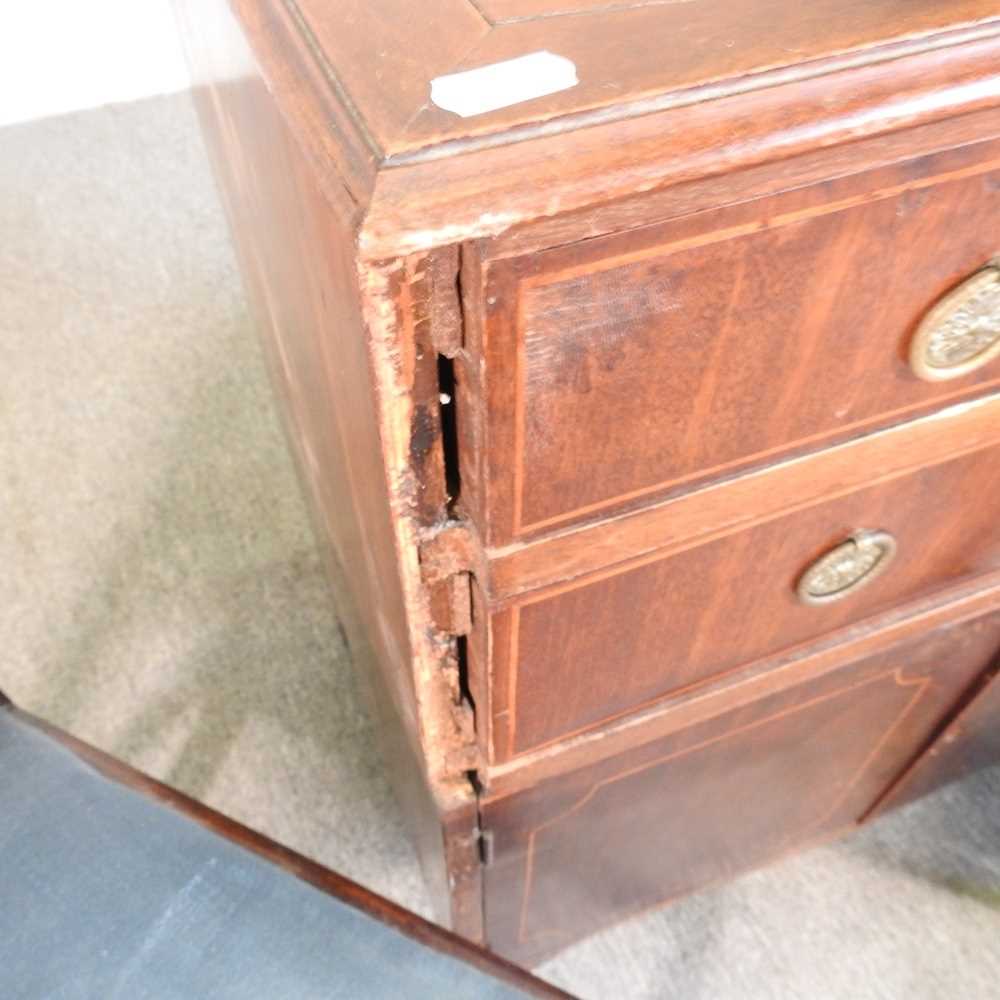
(578, 850)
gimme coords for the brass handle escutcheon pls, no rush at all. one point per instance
(962, 331)
(847, 568)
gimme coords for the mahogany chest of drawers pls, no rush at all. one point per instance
(641, 362)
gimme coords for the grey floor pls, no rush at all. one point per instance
(161, 596)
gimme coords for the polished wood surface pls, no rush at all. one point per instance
(715, 44)
(712, 190)
(674, 353)
(672, 622)
(708, 801)
(746, 685)
(714, 511)
(430, 179)
(970, 741)
(473, 191)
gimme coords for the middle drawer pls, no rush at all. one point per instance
(576, 653)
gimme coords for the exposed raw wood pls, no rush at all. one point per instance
(455, 548)
(445, 730)
(446, 314)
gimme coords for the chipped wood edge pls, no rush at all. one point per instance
(445, 724)
(416, 205)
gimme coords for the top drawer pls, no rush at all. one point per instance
(630, 367)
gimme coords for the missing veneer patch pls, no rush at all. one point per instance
(502, 84)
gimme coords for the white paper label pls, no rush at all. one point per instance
(501, 84)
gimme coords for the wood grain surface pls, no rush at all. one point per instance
(673, 354)
(950, 608)
(672, 622)
(469, 190)
(718, 509)
(970, 741)
(736, 94)
(633, 830)
(393, 50)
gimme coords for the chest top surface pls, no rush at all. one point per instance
(386, 54)
(430, 118)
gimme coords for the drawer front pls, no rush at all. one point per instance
(573, 656)
(627, 368)
(587, 847)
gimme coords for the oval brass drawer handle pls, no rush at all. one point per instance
(847, 568)
(962, 331)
